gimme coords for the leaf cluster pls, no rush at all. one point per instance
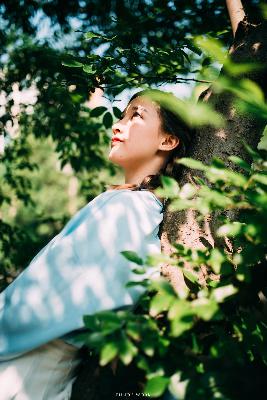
(198, 343)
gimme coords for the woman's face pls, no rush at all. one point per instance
(140, 134)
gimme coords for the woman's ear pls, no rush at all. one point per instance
(169, 142)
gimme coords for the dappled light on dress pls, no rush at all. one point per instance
(81, 270)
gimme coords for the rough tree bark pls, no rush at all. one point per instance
(250, 44)
(99, 383)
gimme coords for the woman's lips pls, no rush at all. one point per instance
(114, 141)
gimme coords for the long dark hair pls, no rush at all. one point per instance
(170, 123)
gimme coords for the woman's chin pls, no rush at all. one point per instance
(113, 157)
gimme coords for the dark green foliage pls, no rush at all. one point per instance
(200, 343)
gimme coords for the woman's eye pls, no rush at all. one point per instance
(135, 114)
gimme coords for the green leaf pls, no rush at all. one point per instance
(139, 271)
(216, 259)
(213, 47)
(241, 163)
(169, 183)
(217, 163)
(250, 89)
(181, 316)
(160, 302)
(226, 175)
(127, 350)
(95, 339)
(72, 63)
(144, 283)
(212, 283)
(108, 352)
(254, 154)
(180, 247)
(170, 187)
(187, 191)
(260, 178)
(192, 277)
(179, 309)
(156, 386)
(258, 199)
(192, 46)
(134, 330)
(192, 113)
(91, 35)
(191, 163)
(162, 285)
(221, 293)
(179, 204)
(105, 322)
(235, 69)
(91, 321)
(179, 326)
(107, 315)
(205, 308)
(201, 114)
(148, 347)
(177, 386)
(117, 112)
(97, 111)
(107, 120)
(132, 256)
(155, 259)
(88, 69)
(233, 229)
(214, 198)
(110, 322)
(206, 62)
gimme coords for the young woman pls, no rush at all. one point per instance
(81, 270)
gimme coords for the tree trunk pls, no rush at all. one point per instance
(181, 227)
(95, 383)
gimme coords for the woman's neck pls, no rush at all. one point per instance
(136, 176)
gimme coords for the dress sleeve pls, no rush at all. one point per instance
(81, 271)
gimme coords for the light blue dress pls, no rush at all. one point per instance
(80, 271)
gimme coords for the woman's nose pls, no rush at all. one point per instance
(116, 128)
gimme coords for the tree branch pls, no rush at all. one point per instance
(236, 13)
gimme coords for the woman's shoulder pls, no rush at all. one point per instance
(154, 196)
(146, 195)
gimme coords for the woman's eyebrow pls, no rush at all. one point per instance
(142, 108)
(132, 109)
